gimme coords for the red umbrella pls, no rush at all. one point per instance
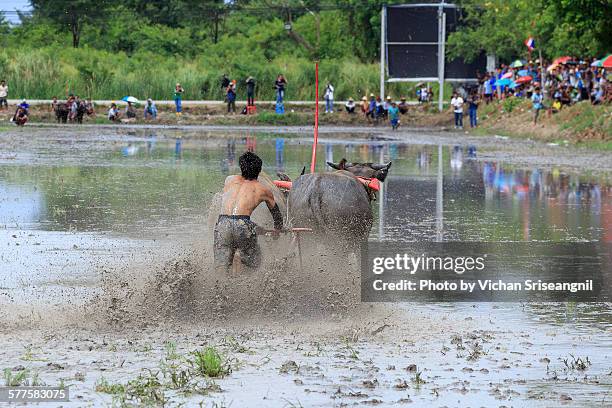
(607, 61)
(562, 60)
(524, 79)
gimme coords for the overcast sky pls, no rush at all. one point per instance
(12, 5)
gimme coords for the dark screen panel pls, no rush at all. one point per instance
(412, 24)
(458, 68)
(420, 24)
(413, 61)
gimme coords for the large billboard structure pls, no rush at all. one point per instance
(413, 46)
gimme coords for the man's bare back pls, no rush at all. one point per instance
(234, 230)
(242, 196)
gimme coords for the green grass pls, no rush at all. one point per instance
(209, 362)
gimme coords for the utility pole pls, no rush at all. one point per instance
(383, 40)
(441, 51)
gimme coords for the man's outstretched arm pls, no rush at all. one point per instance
(274, 210)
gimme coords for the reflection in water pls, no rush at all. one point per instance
(178, 148)
(129, 150)
(489, 201)
(251, 142)
(151, 143)
(280, 154)
(456, 159)
(228, 161)
(329, 155)
(483, 201)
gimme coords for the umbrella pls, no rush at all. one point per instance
(522, 72)
(552, 67)
(129, 99)
(562, 60)
(503, 82)
(596, 63)
(516, 64)
(606, 62)
(524, 79)
(507, 75)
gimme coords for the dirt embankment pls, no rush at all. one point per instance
(578, 124)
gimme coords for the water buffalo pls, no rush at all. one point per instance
(61, 112)
(368, 170)
(335, 203)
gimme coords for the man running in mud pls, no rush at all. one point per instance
(234, 229)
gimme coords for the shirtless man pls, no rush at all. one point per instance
(234, 229)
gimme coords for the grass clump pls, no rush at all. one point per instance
(143, 390)
(20, 378)
(209, 362)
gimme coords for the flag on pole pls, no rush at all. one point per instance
(530, 43)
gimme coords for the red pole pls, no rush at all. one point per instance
(313, 161)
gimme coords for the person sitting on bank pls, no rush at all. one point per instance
(350, 106)
(26, 106)
(234, 230)
(113, 113)
(21, 116)
(130, 112)
(403, 106)
(150, 109)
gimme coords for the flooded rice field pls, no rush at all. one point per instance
(106, 282)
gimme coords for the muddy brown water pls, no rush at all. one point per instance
(76, 205)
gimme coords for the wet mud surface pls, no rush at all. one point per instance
(107, 283)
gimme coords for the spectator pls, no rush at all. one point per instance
(3, 95)
(403, 106)
(394, 115)
(178, 98)
(329, 98)
(225, 82)
(250, 86)
(380, 108)
(20, 117)
(473, 108)
(280, 85)
(365, 106)
(598, 97)
(89, 107)
(386, 106)
(457, 106)
(231, 97)
(25, 106)
(350, 106)
(424, 95)
(488, 89)
(150, 109)
(130, 112)
(74, 107)
(372, 107)
(536, 100)
(113, 113)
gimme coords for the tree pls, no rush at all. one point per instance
(71, 14)
(560, 27)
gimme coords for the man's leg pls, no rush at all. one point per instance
(250, 252)
(223, 250)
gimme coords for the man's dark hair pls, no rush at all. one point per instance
(250, 165)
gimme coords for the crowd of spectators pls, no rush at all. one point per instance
(564, 82)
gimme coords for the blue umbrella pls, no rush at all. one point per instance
(503, 82)
(130, 99)
(513, 85)
(523, 72)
